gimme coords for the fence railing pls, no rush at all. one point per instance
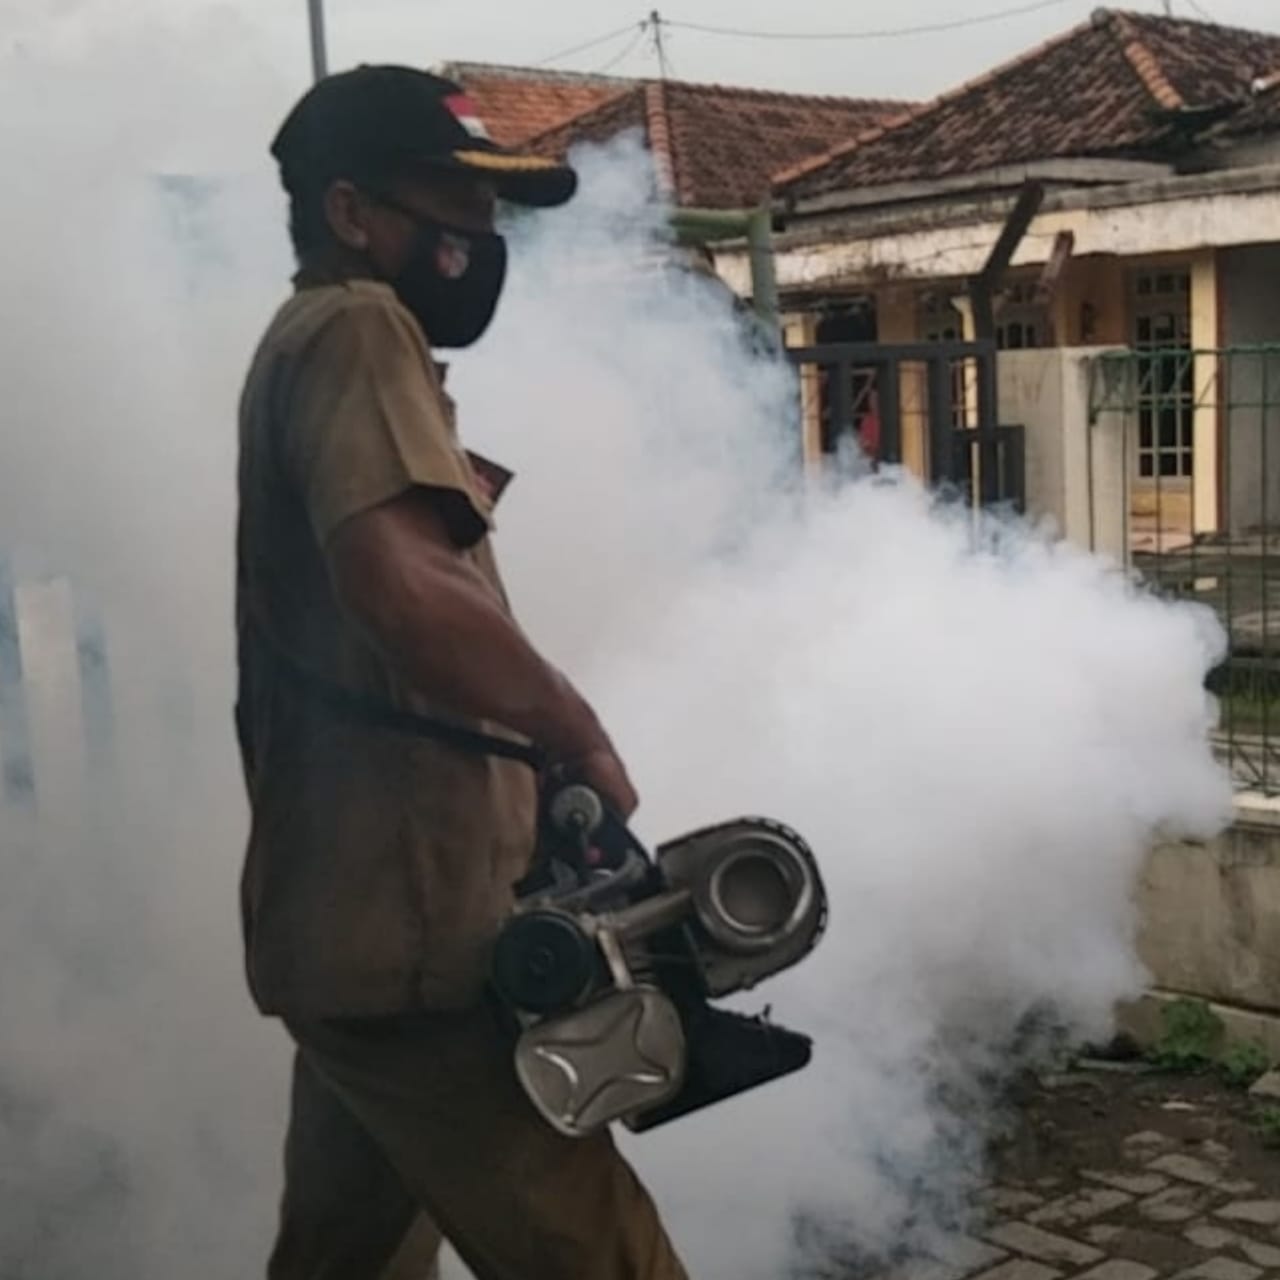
(56, 712)
(1200, 450)
(928, 406)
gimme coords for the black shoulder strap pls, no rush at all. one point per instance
(377, 715)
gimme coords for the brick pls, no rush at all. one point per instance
(1210, 1236)
(927, 1269)
(1217, 1152)
(1220, 1268)
(1080, 1206)
(1008, 1202)
(1261, 1255)
(1020, 1269)
(1022, 1237)
(1119, 1269)
(1102, 1233)
(1136, 1184)
(1265, 1213)
(1146, 1145)
(963, 1255)
(1164, 1252)
(1175, 1204)
(1238, 1189)
(1188, 1168)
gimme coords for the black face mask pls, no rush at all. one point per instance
(452, 280)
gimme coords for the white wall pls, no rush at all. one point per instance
(1249, 287)
(1075, 472)
(1175, 216)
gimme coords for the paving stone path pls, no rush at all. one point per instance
(1146, 1178)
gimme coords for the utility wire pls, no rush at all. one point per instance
(884, 34)
(1201, 10)
(626, 52)
(589, 44)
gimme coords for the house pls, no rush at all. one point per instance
(518, 102)
(714, 146)
(1156, 144)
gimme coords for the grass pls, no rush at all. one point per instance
(1243, 1063)
(1190, 1039)
(1193, 1041)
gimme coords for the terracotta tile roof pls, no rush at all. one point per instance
(1259, 115)
(1206, 63)
(716, 146)
(518, 102)
(1114, 86)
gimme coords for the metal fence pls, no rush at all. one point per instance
(56, 712)
(1200, 454)
(930, 406)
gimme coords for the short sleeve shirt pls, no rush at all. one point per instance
(379, 865)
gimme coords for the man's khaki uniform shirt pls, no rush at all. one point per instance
(379, 865)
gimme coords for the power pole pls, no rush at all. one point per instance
(655, 22)
(1168, 8)
(319, 56)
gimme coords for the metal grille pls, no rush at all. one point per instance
(1165, 372)
(927, 405)
(1201, 439)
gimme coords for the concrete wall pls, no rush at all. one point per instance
(1249, 282)
(1210, 914)
(1076, 473)
(1092, 306)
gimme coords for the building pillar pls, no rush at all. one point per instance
(800, 329)
(1206, 421)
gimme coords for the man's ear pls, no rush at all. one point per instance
(347, 213)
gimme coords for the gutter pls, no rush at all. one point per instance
(755, 226)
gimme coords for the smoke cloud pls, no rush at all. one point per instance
(979, 731)
(980, 735)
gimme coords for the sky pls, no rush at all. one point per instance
(918, 66)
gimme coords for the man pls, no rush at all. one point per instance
(387, 702)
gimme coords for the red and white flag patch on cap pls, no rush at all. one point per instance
(464, 111)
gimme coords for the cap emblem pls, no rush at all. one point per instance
(464, 111)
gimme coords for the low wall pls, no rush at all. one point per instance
(1210, 913)
(1210, 926)
(1075, 470)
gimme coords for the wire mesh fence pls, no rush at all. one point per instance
(1201, 457)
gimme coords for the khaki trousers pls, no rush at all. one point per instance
(402, 1125)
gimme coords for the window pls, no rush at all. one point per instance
(1166, 374)
(1021, 320)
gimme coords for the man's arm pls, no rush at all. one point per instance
(398, 572)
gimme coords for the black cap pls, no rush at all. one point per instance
(379, 120)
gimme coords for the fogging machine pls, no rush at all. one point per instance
(609, 964)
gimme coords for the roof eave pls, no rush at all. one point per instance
(1067, 171)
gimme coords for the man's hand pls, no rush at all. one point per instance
(602, 770)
